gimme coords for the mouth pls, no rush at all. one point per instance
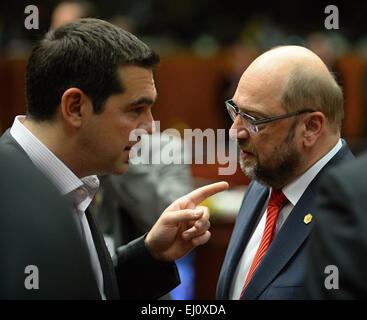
(245, 154)
(132, 149)
(132, 146)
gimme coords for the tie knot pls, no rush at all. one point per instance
(277, 198)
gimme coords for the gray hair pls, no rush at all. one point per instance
(308, 89)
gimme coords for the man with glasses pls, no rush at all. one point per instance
(287, 113)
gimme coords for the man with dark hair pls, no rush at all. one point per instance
(89, 87)
(86, 54)
(287, 111)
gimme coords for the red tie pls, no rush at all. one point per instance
(277, 200)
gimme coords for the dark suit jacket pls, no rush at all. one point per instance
(282, 270)
(339, 237)
(37, 229)
(135, 275)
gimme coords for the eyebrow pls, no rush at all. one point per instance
(140, 101)
(249, 110)
(253, 112)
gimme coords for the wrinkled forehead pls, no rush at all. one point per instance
(260, 87)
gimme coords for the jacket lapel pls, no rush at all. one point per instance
(109, 276)
(286, 243)
(292, 235)
(254, 199)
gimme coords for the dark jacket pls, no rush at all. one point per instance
(41, 232)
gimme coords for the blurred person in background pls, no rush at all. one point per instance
(287, 111)
(128, 206)
(69, 10)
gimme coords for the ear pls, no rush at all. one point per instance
(74, 105)
(313, 127)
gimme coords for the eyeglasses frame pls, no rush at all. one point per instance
(255, 122)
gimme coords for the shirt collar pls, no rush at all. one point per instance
(47, 162)
(294, 190)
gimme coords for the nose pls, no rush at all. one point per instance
(238, 129)
(148, 123)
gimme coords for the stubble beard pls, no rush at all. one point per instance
(278, 171)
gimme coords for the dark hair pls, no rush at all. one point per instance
(85, 54)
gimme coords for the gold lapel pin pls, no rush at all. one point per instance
(308, 218)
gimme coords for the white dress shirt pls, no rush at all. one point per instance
(80, 191)
(293, 192)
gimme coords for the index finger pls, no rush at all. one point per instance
(199, 195)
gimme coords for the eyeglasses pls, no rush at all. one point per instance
(251, 122)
